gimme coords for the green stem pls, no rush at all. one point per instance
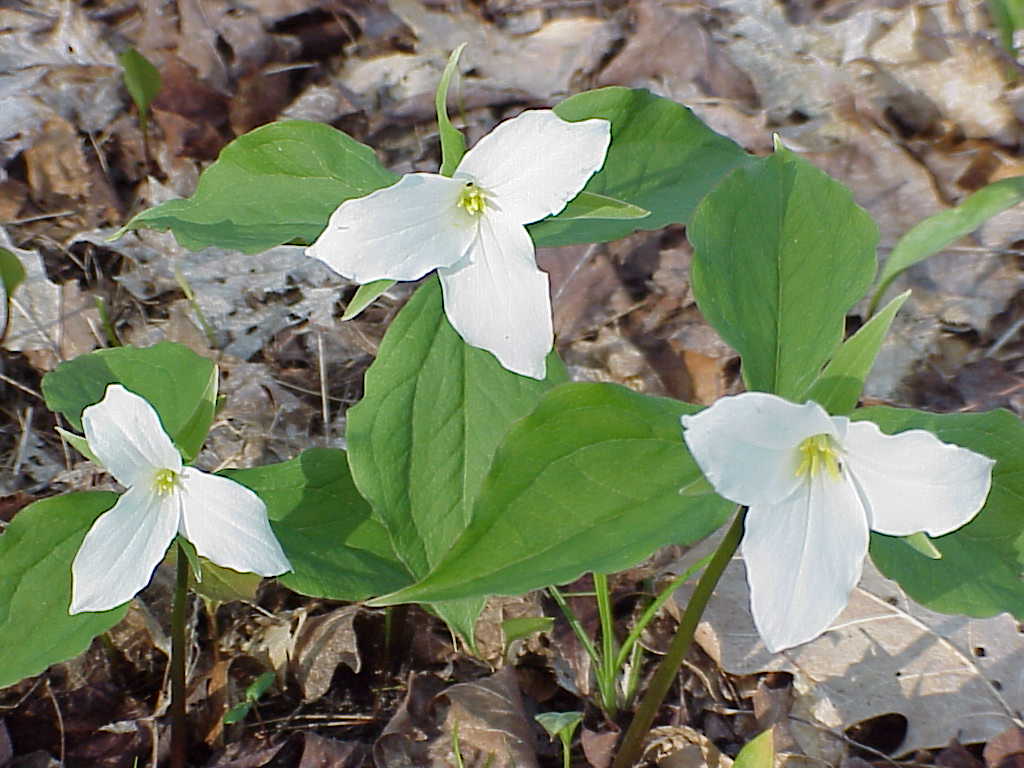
(179, 723)
(632, 744)
(575, 625)
(606, 664)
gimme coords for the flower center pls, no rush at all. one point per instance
(165, 480)
(472, 200)
(817, 453)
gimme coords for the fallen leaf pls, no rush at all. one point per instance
(884, 654)
(1006, 750)
(321, 644)
(675, 49)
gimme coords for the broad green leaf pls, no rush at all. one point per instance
(936, 232)
(365, 296)
(421, 439)
(759, 752)
(141, 79)
(12, 273)
(590, 205)
(838, 387)
(781, 253)
(178, 383)
(979, 569)
(453, 143)
(276, 184)
(337, 550)
(36, 552)
(662, 159)
(590, 481)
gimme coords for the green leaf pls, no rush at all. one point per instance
(557, 723)
(237, 713)
(921, 543)
(590, 205)
(759, 752)
(453, 143)
(524, 626)
(12, 273)
(337, 550)
(36, 552)
(979, 569)
(838, 387)
(141, 79)
(936, 232)
(215, 583)
(781, 253)
(1008, 17)
(590, 481)
(276, 184)
(79, 443)
(662, 159)
(178, 383)
(366, 294)
(421, 439)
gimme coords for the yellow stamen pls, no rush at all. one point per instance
(817, 453)
(472, 200)
(164, 481)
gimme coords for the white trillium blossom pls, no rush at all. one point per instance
(225, 521)
(815, 485)
(471, 229)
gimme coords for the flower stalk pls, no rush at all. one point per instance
(631, 749)
(179, 723)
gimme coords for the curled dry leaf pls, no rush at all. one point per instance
(321, 644)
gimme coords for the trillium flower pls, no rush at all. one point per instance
(471, 229)
(815, 485)
(226, 522)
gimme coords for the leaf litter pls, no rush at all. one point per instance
(906, 103)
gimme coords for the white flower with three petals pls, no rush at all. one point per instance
(815, 485)
(471, 228)
(225, 521)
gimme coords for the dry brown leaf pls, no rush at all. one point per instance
(945, 674)
(679, 746)
(542, 64)
(1006, 750)
(493, 728)
(48, 322)
(56, 164)
(675, 50)
(321, 644)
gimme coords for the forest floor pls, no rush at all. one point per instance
(913, 105)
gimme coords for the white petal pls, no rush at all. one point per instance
(400, 232)
(803, 557)
(913, 481)
(228, 524)
(121, 550)
(498, 300)
(747, 445)
(124, 432)
(537, 162)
